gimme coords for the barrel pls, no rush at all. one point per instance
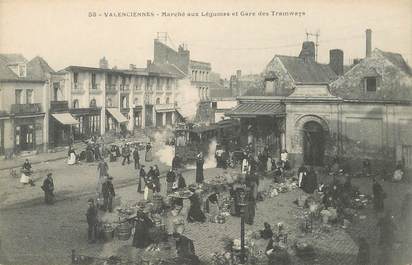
(108, 232)
(123, 231)
(157, 202)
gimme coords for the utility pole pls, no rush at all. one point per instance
(316, 35)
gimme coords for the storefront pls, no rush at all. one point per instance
(89, 123)
(262, 124)
(62, 124)
(115, 120)
(28, 132)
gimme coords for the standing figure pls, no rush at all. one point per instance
(142, 174)
(156, 178)
(170, 179)
(149, 185)
(126, 154)
(378, 196)
(310, 183)
(108, 194)
(103, 171)
(199, 168)
(366, 168)
(148, 155)
(48, 188)
(250, 208)
(92, 221)
(71, 160)
(185, 250)
(136, 158)
(141, 237)
(302, 173)
(245, 164)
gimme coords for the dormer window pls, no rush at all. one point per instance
(22, 70)
(371, 84)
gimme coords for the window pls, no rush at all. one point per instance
(214, 105)
(125, 102)
(370, 84)
(167, 100)
(93, 103)
(157, 101)
(75, 104)
(18, 95)
(109, 102)
(94, 81)
(136, 101)
(75, 77)
(29, 96)
(22, 70)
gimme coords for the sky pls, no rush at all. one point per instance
(64, 34)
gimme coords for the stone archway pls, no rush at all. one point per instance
(312, 133)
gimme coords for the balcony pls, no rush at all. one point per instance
(25, 108)
(111, 89)
(95, 89)
(124, 88)
(77, 89)
(59, 106)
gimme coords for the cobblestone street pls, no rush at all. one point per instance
(47, 234)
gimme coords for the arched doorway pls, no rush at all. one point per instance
(313, 143)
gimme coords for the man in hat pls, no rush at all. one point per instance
(48, 188)
(92, 220)
(126, 154)
(108, 194)
(142, 174)
(136, 158)
(199, 168)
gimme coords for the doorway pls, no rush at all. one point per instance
(313, 143)
(24, 137)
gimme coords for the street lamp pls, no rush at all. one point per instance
(242, 205)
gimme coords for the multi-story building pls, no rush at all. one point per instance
(112, 100)
(197, 72)
(24, 97)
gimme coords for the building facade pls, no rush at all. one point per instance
(24, 87)
(106, 100)
(318, 112)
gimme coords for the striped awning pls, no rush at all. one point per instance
(65, 118)
(117, 115)
(257, 109)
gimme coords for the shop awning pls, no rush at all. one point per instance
(65, 118)
(257, 109)
(117, 115)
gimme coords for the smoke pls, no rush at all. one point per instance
(210, 160)
(187, 99)
(164, 153)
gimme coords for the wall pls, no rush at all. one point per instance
(393, 84)
(283, 85)
(355, 131)
(8, 96)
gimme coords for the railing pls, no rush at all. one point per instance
(78, 86)
(95, 86)
(25, 108)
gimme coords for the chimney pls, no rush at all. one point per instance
(149, 62)
(238, 74)
(132, 66)
(336, 61)
(356, 61)
(308, 51)
(368, 42)
(103, 63)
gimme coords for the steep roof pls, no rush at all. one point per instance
(12, 58)
(307, 72)
(397, 60)
(38, 68)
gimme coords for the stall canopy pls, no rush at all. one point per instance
(117, 115)
(257, 109)
(65, 118)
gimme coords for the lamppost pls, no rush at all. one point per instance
(242, 205)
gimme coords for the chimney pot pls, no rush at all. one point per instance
(308, 51)
(149, 62)
(336, 61)
(368, 42)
